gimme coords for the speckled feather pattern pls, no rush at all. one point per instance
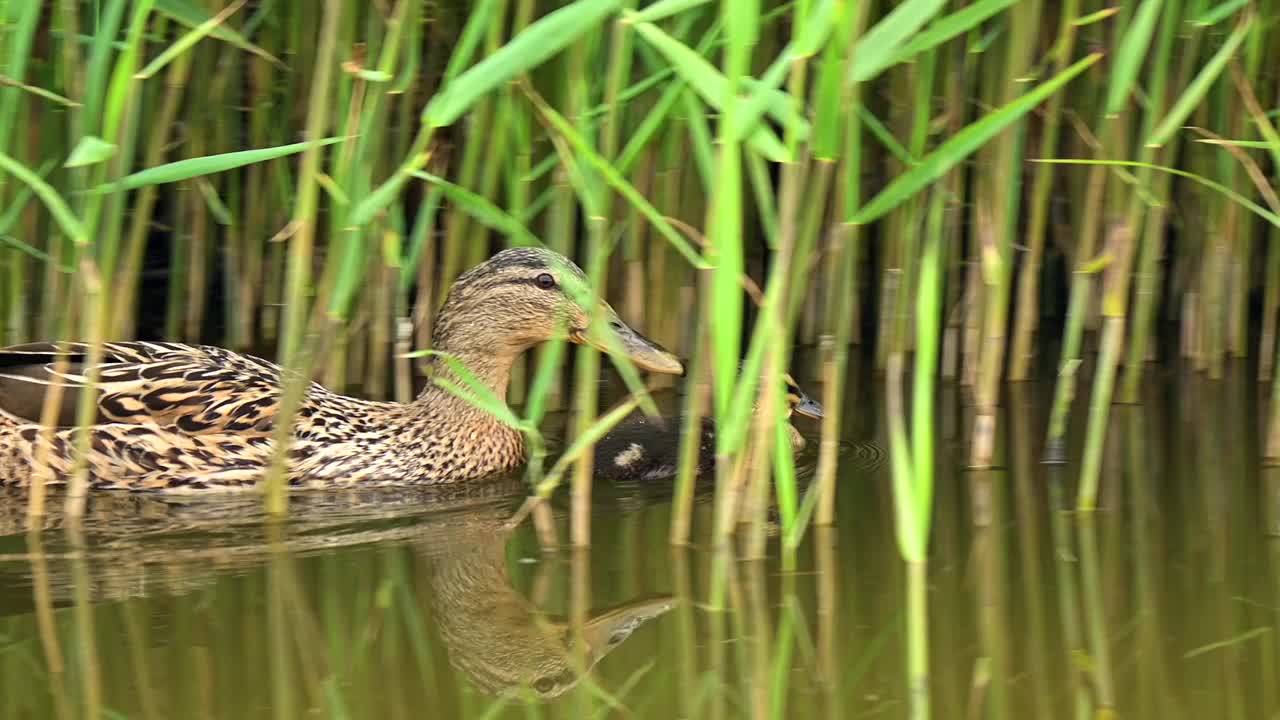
(648, 448)
(182, 417)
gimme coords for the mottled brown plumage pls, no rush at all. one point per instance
(185, 418)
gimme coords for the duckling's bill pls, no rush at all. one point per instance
(645, 353)
(809, 407)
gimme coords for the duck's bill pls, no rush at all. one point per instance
(607, 629)
(645, 353)
(809, 408)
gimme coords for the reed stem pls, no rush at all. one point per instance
(293, 352)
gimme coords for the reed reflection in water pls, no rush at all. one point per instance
(401, 604)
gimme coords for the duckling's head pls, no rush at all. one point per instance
(800, 403)
(524, 296)
(797, 401)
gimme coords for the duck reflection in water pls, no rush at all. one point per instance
(156, 546)
(502, 642)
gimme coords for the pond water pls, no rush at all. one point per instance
(395, 604)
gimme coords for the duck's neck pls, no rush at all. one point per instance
(492, 369)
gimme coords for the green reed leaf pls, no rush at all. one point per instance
(792, 537)
(765, 92)
(711, 85)
(1229, 642)
(928, 338)
(1252, 144)
(57, 207)
(784, 471)
(673, 92)
(10, 217)
(374, 76)
(783, 650)
(1270, 137)
(376, 201)
(477, 23)
(906, 527)
(885, 136)
(107, 25)
(34, 252)
(1130, 56)
(347, 249)
(422, 226)
(90, 150)
(816, 30)
(54, 97)
(188, 41)
(949, 27)
(654, 120)
(548, 371)
(963, 144)
(192, 15)
(1218, 13)
(767, 97)
(735, 421)
(472, 389)
(829, 101)
(541, 40)
(207, 165)
(392, 248)
(17, 47)
(217, 208)
(615, 179)
(877, 49)
(700, 139)
(482, 210)
(1199, 86)
(765, 195)
(548, 164)
(1226, 192)
(663, 9)
(585, 442)
(1094, 17)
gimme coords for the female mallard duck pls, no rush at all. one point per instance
(648, 448)
(182, 418)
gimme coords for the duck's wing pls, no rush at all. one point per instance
(195, 389)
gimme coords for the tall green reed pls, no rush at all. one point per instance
(765, 126)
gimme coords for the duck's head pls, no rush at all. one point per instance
(523, 296)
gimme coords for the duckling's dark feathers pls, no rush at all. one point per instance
(648, 448)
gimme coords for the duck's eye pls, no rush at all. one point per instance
(544, 685)
(545, 281)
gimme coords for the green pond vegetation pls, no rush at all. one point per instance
(968, 196)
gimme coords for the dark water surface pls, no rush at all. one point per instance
(410, 604)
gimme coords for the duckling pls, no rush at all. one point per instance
(648, 448)
(188, 418)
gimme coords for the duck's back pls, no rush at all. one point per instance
(648, 448)
(166, 414)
